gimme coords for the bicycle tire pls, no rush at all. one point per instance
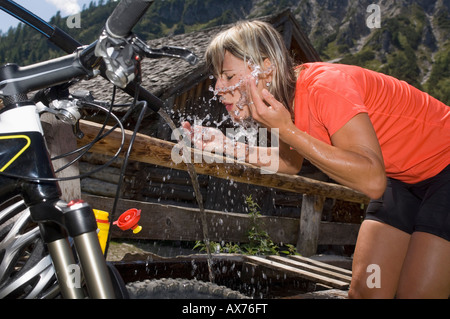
(169, 288)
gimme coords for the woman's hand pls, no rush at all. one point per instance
(267, 110)
(206, 138)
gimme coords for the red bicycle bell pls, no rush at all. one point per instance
(129, 220)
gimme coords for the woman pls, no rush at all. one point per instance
(366, 130)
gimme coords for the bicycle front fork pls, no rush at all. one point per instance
(78, 219)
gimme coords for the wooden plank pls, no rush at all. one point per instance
(101, 188)
(311, 268)
(159, 152)
(322, 265)
(338, 233)
(310, 218)
(263, 262)
(166, 222)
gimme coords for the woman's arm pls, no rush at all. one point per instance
(289, 161)
(354, 159)
(209, 139)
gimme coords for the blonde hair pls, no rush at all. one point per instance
(256, 41)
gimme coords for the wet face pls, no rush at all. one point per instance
(232, 89)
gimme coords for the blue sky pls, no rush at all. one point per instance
(44, 9)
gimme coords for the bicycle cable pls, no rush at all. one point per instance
(124, 166)
(99, 136)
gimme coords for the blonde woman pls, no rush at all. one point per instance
(366, 130)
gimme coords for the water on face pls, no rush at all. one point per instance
(256, 72)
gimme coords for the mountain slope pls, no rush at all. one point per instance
(412, 44)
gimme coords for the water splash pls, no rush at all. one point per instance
(248, 129)
(256, 72)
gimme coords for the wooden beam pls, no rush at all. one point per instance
(310, 218)
(323, 265)
(312, 268)
(159, 152)
(168, 222)
(60, 140)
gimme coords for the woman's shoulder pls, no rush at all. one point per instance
(325, 74)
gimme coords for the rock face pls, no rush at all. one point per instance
(347, 18)
(412, 41)
(413, 34)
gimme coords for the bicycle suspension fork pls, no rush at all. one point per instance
(21, 133)
(79, 221)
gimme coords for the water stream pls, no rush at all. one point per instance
(198, 194)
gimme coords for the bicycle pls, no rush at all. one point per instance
(42, 238)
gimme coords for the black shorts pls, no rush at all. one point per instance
(421, 207)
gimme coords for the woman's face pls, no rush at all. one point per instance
(232, 88)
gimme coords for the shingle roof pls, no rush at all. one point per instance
(159, 75)
(165, 76)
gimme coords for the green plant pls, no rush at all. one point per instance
(259, 241)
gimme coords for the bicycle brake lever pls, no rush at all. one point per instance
(165, 51)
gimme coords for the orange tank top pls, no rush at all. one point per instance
(412, 127)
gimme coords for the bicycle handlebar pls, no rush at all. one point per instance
(125, 16)
(122, 20)
(16, 81)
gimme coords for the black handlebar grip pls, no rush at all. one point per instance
(125, 16)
